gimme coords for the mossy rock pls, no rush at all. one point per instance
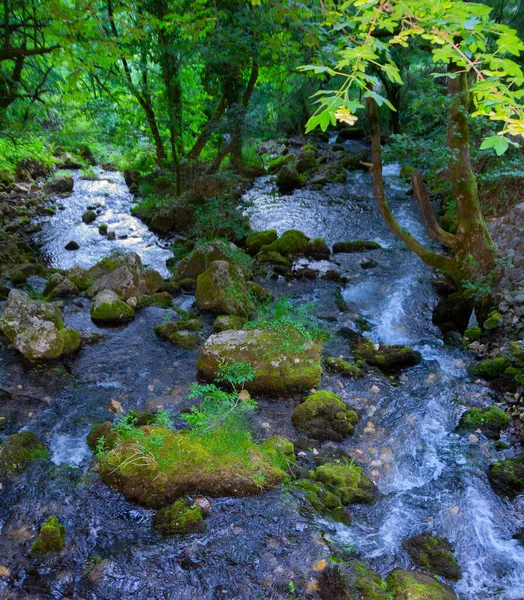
(102, 228)
(351, 580)
(290, 243)
(473, 333)
(336, 175)
(259, 293)
(183, 466)
(434, 554)
(227, 322)
(4, 292)
(181, 333)
(493, 321)
(255, 241)
(317, 249)
(153, 281)
(273, 258)
(178, 518)
(108, 309)
(80, 278)
(347, 481)
(491, 420)
(507, 476)
(51, 537)
(222, 290)
(102, 430)
(306, 161)
(289, 179)
(282, 360)
(412, 585)
(453, 312)
(199, 259)
(18, 278)
(161, 299)
(323, 416)
(18, 451)
(89, 216)
(359, 246)
(276, 164)
(339, 365)
(322, 500)
(491, 368)
(7, 180)
(388, 359)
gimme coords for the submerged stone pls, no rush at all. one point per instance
(51, 537)
(282, 360)
(323, 416)
(434, 554)
(387, 358)
(412, 585)
(18, 451)
(180, 517)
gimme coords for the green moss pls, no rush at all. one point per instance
(491, 368)
(89, 216)
(493, 321)
(406, 171)
(323, 416)
(387, 358)
(322, 500)
(291, 242)
(18, 451)
(255, 241)
(449, 223)
(274, 258)
(351, 580)
(116, 311)
(434, 554)
(339, 365)
(317, 249)
(348, 481)
(490, 420)
(51, 537)
(180, 517)
(336, 175)
(473, 333)
(276, 164)
(222, 290)
(71, 341)
(18, 278)
(227, 322)
(102, 229)
(412, 585)
(359, 246)
(507, 476)
(161, 299)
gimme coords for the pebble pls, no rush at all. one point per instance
(115, 406)
(320, 565)
(473, 438)
(374, 389)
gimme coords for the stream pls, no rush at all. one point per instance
(430, 477)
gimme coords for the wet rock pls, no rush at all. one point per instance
(227, 322)
(180, 517)
(89, 216)
(132, 179)
(29, 169)
(18, 451)
(222, 289)
(108, 309)
(187, 468)
(323, 500)
(348, 481)
(274, 258)
(412, 585)
(161, 299)
(201, 257)
(434, 554)
(291, 242)
(79, 277)
(454, 311)
(339, 365)
(181, 333)
(58, 286)
(289, 179)
(491, 368)
(4, 292)
(7, 180)
(255, 241)
(323, 416)
(72, 245)
(387, 358)
(351, 247)
(507, 476)
(121, 274)
(66, 160)
(369, 264)
(59, 185)
(153, 281)
(305, 273)
(490, 420)
(102, 229)
(51, 537)
(305, 162)
(111, 235)
(349, 580)
(36, 328)
(276, 368)
(259, 293)
(317, 249)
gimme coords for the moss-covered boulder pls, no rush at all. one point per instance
(348, 481)
(101, 436)
(453, 312)
(153, 281)
(358, 246)
(490, 420)
(59, 185)
(18, 451)
(493, 321)
(323, 416)
(273, 258)
(323, 500)
(181, 333)
(180, 465)
(222, 290)
(121, 273)
(291, 242)
(388, 359)
(317, 249)
(58, 286)
(473, 334)
(507, 476)
(198, 261)
(36, 328)
(282, 360)
(344, 367)
(412, 585)
(306, 161)
(161, 299)
(351, 580)
(227, 322)
(491, 368)
(434, 554)
(51, 537)
(89, 216)
(258, 293)
(80, 277)
(7, 180)
(179, 517)
(29, 168)
(108, 309)
(255, 241)
(289, 179)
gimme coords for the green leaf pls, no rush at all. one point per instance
(497, 142)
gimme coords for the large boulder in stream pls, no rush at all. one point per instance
(434, 554)
(282, 360)
(36, 328)
(108, 309)
(342, 580)
(59, 185)
(292, 242)
(222, 290)
(412, 585)
(388, 359)
(195, 263)
(289, 179)
(188, 467)
(18, 451)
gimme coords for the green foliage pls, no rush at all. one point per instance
(219, 218)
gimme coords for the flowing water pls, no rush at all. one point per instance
(430, 478)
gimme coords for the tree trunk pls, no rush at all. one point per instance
(475, 249)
